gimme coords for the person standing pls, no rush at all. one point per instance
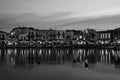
(86, 64)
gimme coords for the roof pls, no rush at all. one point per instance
(78, 32)
(2, 32)
(104, 31)
(22, 28)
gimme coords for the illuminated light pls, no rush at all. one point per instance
(22, 52)
(33, 52)
(40, 42)
(113, 52)
(106, 52)
(102, 52)
(15, 51)
(102, 42)
(12, 62)
(77, 39)
(9, 52)
(10, 43)
(84, 38)
(78, 42)
(118, 41)
(40, 52)
(49, 52)
(12, 33)
(80, 37)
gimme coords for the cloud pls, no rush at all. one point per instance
(57, 21)
(9, 21)
(100, 23)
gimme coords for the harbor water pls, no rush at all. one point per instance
(59, 64)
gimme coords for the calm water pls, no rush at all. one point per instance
(47, 64)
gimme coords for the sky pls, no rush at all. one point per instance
(60, 14)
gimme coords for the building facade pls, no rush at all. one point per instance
(90, 36)
(69, 35)
(116, 35)
(79, 38)
(75, 37)
(3, 37)
(105, 37)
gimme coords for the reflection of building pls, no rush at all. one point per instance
(106, 56)
(24, 57)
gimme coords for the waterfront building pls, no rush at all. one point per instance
(78, 38)
(30, 36)
(69, 35)
(3, 37)
(60, 36)
(45, 35)
(21, 35)
(23, 40)
(37, 35)
(116, 35)
(12, 42)
(52, 35)
(41, 37)
(14, 33)
(105, 37)
(90, 36)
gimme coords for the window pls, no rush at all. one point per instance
(109, 35)
(3, 37)
(101, 36)
(116, 32)
(84, 38)
(119, 32)
(106, 35)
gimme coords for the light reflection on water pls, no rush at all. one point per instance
(106, 60)
(24, 57)
(32, 62)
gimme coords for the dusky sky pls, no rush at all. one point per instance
(60, 14)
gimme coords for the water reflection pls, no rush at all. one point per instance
(31, 57)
